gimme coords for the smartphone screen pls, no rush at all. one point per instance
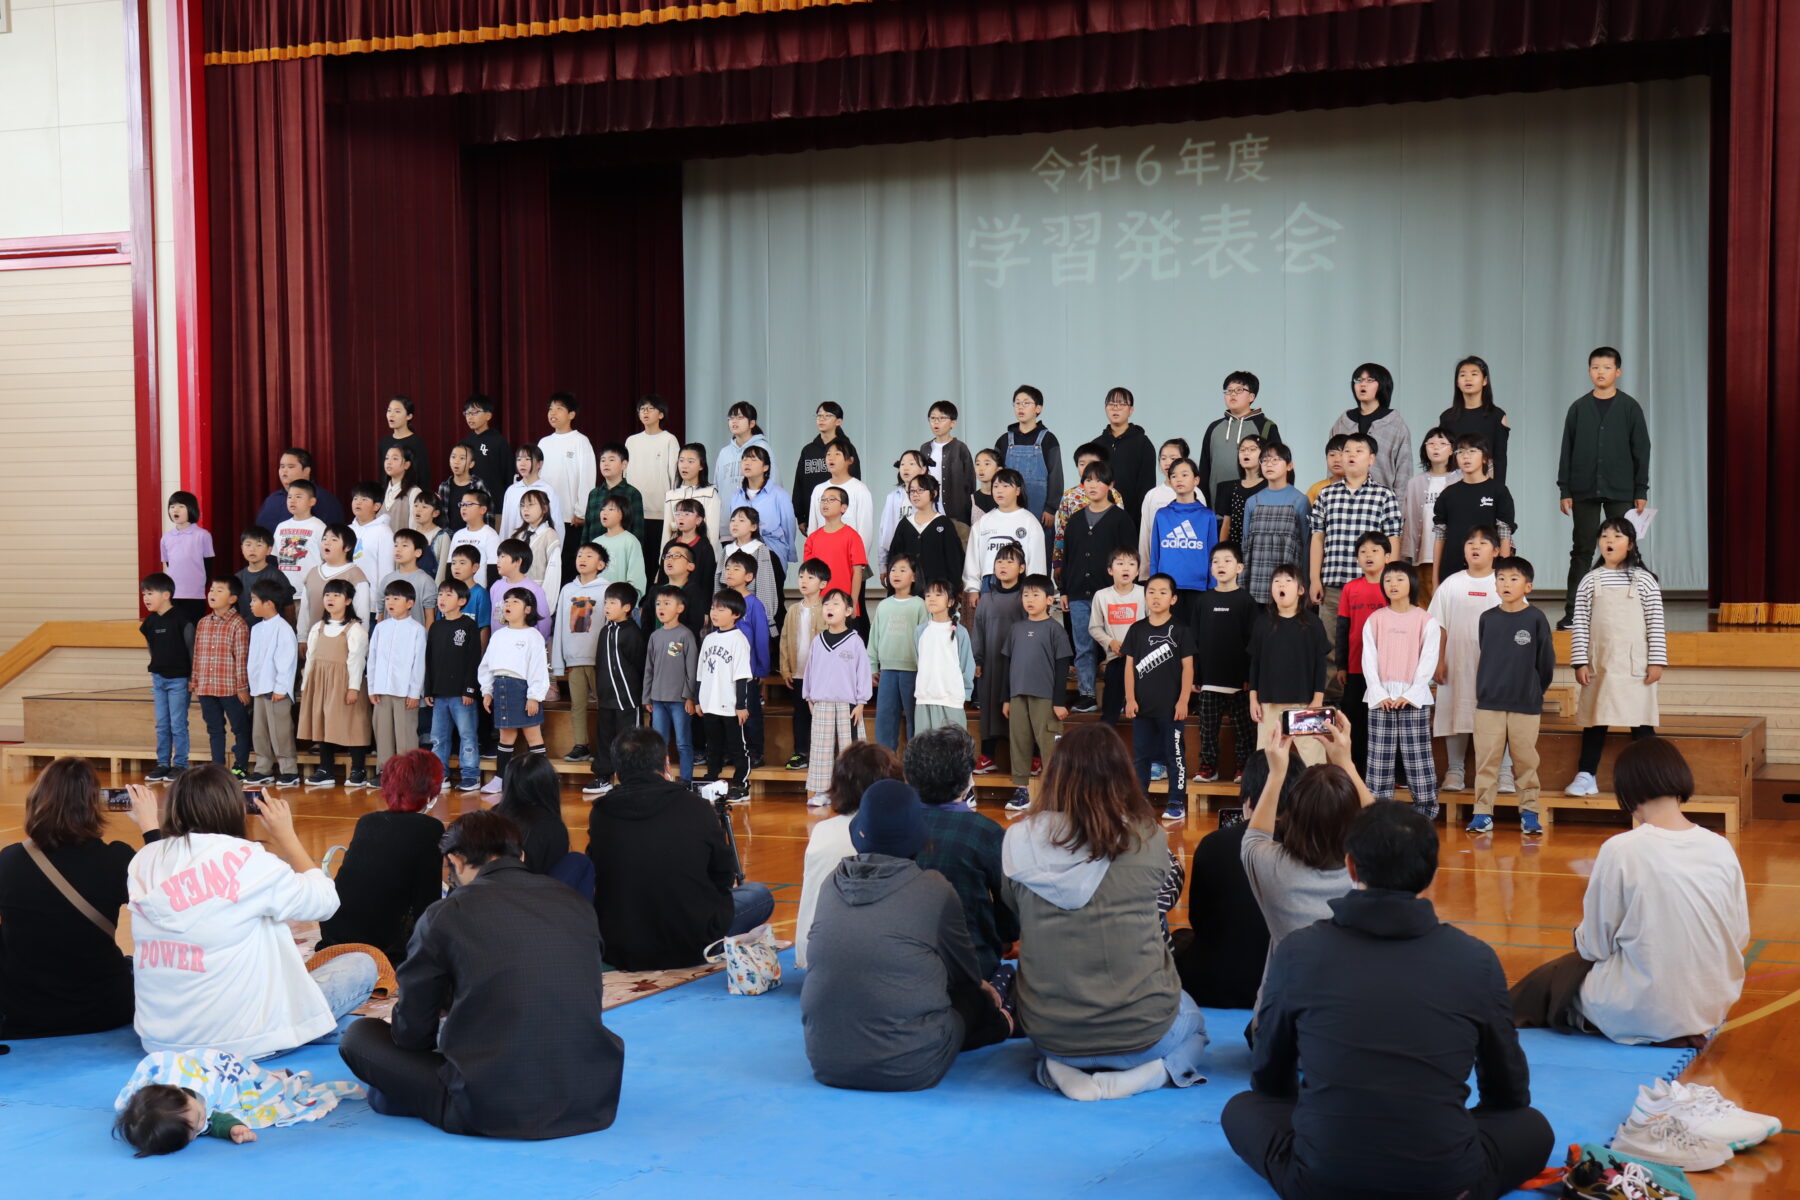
(1298, 722)
(117, 799)
(251, 796)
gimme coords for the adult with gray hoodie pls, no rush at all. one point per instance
(1097, 989)
(1372, 387)
(893, 992)
(1219, 444)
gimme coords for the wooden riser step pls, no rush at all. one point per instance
(1458, 807)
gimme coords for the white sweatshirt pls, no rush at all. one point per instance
(374, 551)
(517, 652)
(214, 963)
(569, 470)
(994, 530)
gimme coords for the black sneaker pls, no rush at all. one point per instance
(579, 754)
(756, 760)
(321, 778)
(1084, 704)
(290, 780)
(158, 774)
(258, 778)
(239, 774)
(1566, 623)
(596, 787)
(358, 779)
(796, 762)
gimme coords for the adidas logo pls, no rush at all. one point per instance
(1183, 537)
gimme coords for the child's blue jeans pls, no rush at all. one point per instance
(171, 720)
(452, 721)
(894, 706)
(216, 710)
(1087, 654)
(670, 718)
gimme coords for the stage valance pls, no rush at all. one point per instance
(251, 31)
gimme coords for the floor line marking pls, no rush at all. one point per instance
(1766, 1010)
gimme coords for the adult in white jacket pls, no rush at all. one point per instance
(214, 963)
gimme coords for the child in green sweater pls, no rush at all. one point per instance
(893, 651)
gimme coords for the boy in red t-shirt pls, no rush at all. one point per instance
(1361, 598)
(837, 545)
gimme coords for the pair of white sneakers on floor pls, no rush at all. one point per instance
(1690, 1126)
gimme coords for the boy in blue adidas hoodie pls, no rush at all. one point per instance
(1182, 537)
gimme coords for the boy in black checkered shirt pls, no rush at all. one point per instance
(1345, 510)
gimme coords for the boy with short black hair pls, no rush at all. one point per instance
(1361, 599)
(269, 674)
(1474, 499)
(1036, 660)
(569, 468)
(671, 664)
(723, 685)
(1114, 610)
(452, 685)
(1345, 510)
(1091, 537)
(810, 468)
(1159, 675)
(650, 456)
(1334, 466)
(1219, 444)
(472, 507)
(427, 515)
(740, 576)
(611, 460)
(1457, 606)
(950, 463)
(221, 678)
(1224, 617)
(409, 547)
(465, 568)
(1029, 448)
(805, 618)
(297, 538)
(374, 551)
(170, 640)
(257, 544)
(576, 641)
(619, 681)
(1518, 663)
(835, 542)
(493, 454)
(1603, 471)
(395, 674)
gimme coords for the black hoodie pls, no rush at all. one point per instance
(1132, 457)
(1386, 1009)
(662, 874)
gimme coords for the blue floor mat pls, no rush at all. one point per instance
(718, 1100)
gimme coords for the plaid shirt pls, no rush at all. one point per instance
(630, 497)
(964, 847)
(1343, 516)
(221, 655)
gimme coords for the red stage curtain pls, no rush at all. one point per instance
(1756, 432)
(271, 325)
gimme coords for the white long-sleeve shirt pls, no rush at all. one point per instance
(994, 530)
(374, 551)
(356, 653)
(1664, 921)
(651, 467)
(273, 653)
(517, 652)
(569, 470)
(396, 665)
(214, 963)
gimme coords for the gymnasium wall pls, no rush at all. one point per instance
(1525, 228)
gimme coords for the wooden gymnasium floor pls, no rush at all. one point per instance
(1524, 899)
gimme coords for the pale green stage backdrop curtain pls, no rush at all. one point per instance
(1526, 229)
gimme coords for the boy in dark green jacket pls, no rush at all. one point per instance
(1605, 465)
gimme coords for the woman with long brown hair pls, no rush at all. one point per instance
(1089, 872)
(61, 972)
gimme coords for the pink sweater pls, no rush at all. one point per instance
(1399, 638)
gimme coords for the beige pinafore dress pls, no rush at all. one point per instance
(1619, 654)
(324, 717)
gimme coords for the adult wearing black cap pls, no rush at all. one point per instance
(893, 993)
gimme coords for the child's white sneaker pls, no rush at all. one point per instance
(1665, 1139)
(1584, 784)
(819, 801)
(1708, 1113)
(1453, 781)
(1507, 785)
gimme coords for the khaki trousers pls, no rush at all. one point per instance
(1494, 733)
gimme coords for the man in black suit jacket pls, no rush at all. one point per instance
(1386, 1009)
(511, 961)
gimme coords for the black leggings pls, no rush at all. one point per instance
(1516, 1143)
(983, 1022)
(1593, 741)
(328, 755)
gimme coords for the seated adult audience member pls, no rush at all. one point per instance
(497, 1032)
(296, 463)
(1659, 952)
(1221, 958)
(216, 963)
(60, 969)
(531, 798)
(663, 871)
(895, 991)
(1385, 1010)
(392, 871)
(1293, 851)
(1097, 991)
(856, 770)
(962, 846)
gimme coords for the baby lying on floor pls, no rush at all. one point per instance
(176, 1096)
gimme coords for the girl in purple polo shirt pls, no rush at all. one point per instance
(187, 553)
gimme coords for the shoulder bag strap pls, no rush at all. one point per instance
(109, 928)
